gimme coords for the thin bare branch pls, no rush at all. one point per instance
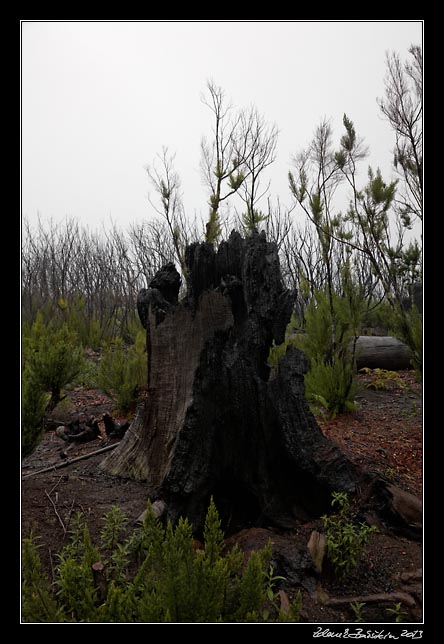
(56, 513)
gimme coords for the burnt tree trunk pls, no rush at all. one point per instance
(216, 422)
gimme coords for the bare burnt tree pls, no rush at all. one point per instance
(144, 250)
(402, 107)
(314, 187)
(86, 274)
(109, 267)
(103, 295)
(154, 239)
(89, 277)
(124, 280)
(31, 294)
(166, 182)
(260, 140)
(221, 157)
(302, 260)
(242, 146)
(278, 222)
(48, 255)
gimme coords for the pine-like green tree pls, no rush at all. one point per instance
(123, 371)
(53, 357)
(156, 575)
(34, 400)
(38, 601)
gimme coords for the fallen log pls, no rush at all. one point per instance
(70, 461)
(382, 352)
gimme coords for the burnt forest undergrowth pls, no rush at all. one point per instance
(215, 421)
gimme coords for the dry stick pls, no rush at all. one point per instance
(69, 515)
(54, 486)
(380, 597)
(57, 514)
(70, 461)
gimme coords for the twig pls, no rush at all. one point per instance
(70, 461)
(380, 597)
(57, 514)
(54, 486)
(69, 515)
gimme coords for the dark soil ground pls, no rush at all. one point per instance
(383, 435)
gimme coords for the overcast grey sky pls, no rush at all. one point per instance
(100, 99)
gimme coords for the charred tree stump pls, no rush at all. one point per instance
(215, 421)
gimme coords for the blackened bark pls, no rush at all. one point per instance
(216, 422)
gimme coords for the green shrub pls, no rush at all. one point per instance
(114, 528)
(51, 360)
(378, 315)
(357, 607)
(345, 541)
(383, 379)
(34, 401)
(134, 332)
(89, 376)
(123, 371)
(319, 338)
(408, 328)
(39, 603)
(331, 385)
(53, 357)
(291, 338)
(155, 575)
(331, 328)
(77, 590)
(277, 351)
(397, 612)
(73, 311)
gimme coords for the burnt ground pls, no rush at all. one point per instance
(383, 435)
